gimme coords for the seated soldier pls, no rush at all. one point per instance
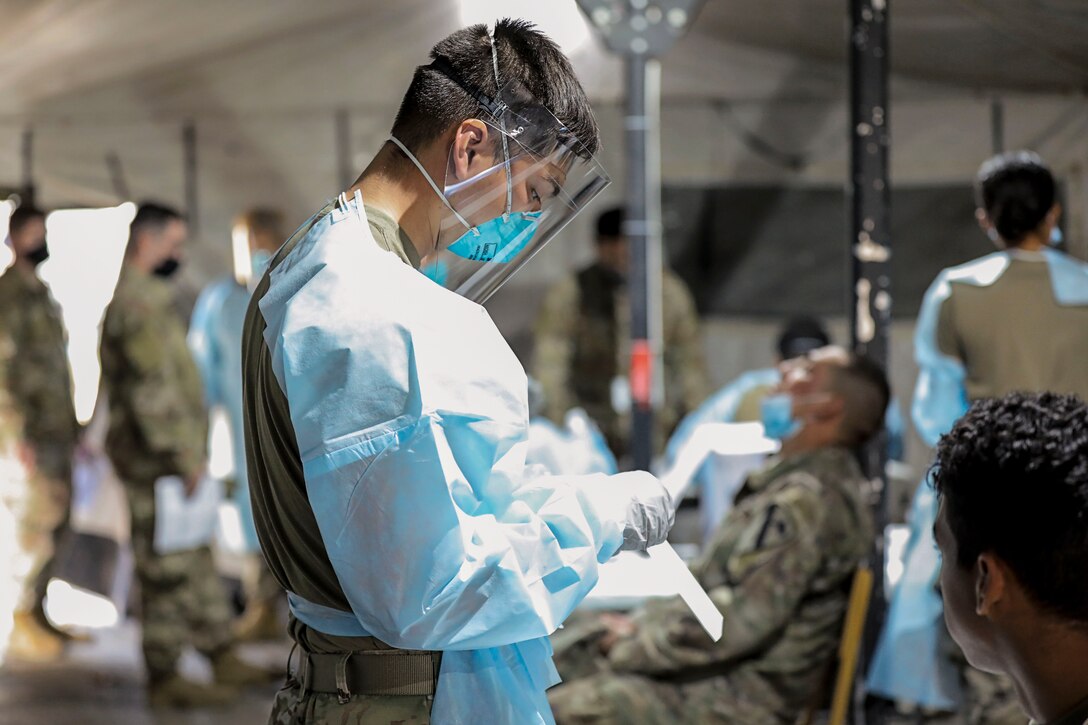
(1012, 527)
(779, 569)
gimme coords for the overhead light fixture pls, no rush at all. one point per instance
(561, 20)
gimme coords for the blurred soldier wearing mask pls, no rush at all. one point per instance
(215, 338)
(41, 389)
(779, 568)
(583, 340)
(158, 427)
(387, 418)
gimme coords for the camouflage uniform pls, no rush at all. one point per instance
(779, 568)
(584, 326)
(41, 391)
(158, 427)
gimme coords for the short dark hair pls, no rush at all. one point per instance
(863, 386)
(1016, 190)
(1013, 476)
(22, 216)
(434, 102)
(151, 216)
(801, 334)
(610, 224)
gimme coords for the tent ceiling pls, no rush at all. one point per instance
(53, 49)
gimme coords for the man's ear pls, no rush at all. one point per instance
(1054, 214)
(983, 221)
(471, 149)
(991, 579)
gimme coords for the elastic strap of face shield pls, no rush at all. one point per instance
(502, 127)
(414, 160)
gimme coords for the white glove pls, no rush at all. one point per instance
(636, 500)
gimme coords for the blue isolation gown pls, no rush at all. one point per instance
(215, 339)
(411, 416)
(909, 663)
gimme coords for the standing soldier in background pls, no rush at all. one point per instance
(158, 427)
(41, 390)
(215, 338)
(583, 342)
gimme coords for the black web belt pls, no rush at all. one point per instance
(368, 673)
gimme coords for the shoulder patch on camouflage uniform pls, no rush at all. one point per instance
(768, 533)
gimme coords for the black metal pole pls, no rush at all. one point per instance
(28, 190)
(636, 228)
(997, 125)
(870, 244)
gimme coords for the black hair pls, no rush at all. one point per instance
(863, 386)
(610, 224)
(22, 216)
(1016, 190)
(800, 335)
(1013, 477)
(434, 102)
(151, 216)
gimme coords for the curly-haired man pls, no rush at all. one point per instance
(1012, 477)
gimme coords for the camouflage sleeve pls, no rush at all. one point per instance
(553, 334)
(757, 587)
(158, 401)
(685, 359)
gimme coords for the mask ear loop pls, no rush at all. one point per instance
(414, 160)
(502, 127)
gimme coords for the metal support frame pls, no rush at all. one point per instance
(639, 31)
(117, 176)
(997, 125)
(27, 190)
(870, 246)
(188, 144)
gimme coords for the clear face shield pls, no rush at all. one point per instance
(503, 215)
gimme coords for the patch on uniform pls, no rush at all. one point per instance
(760, 541)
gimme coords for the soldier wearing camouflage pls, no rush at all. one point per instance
(779, 569)
(41, 392)
(158, 427)
(583, 344)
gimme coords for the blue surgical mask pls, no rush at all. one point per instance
(776, 412)
(1056, 236)
(498, 240)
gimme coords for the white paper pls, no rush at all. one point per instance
(689, 589)
(182, 523)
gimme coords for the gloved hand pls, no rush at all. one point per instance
(637, 500)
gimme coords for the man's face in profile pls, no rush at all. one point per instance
(972, 632)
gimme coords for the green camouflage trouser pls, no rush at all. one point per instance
(292, 707)
(182, 600)
(44, 522)
(592, 694)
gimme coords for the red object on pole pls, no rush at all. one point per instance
(642, 368)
